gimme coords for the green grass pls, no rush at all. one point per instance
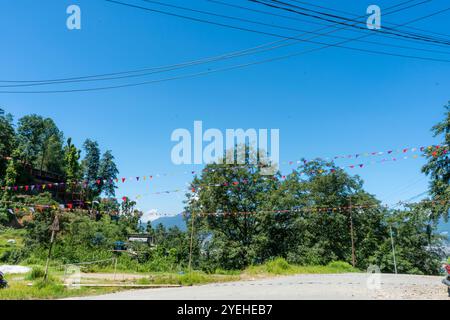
(35, 273)
(188, 279)
(280, 266)
(53, 289)
(20, 289)
(7, 234)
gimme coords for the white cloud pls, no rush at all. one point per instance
(150, 215)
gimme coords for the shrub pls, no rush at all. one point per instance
(35, 273)
(277, 266)
(341, 266)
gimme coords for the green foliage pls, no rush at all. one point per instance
(418, 246)
(438, 168)
(35, 273)
(91, 166)
(11, 253)
(40, 143)
(72, 167)
(280, 266)
(108, 171)
(7, 141)
(306, 235)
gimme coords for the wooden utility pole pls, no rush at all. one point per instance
(393, 249)
(54, 228)
(192, 242)
(352, 235)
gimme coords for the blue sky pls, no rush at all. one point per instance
(329, 102)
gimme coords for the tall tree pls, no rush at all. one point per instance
(438, 168)
(7, 140)
(40, 143)
(72, 167)
(418, 245)
(108, 172)
(231, 240)
(13, 172)
(52, 153)
(345, 217)
(91, 166)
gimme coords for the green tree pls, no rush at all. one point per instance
(91, 166)
(438, 168)
(129, 215)
(108, 172)
(229, 240)
(40, 143)
(418, 246)
(13, 170)
(329, 208)
(72, 167)
(7, 141)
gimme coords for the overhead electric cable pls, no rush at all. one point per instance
(384, 30)
(193, 63)
(236, 66)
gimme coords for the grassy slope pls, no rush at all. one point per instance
(7, 234)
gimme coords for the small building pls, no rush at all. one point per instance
(142, 237)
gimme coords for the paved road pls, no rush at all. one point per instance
(300, 287)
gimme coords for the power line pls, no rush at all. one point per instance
(193, 63)
(349, 19)
(182, 65)
(353, 14)
(192, 75)
(257, 22)
(417, 37)
(319, 23)
(405, 35)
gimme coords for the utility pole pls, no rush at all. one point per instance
(393, 249)
(192, 242)
(352, 235)
(54, 228)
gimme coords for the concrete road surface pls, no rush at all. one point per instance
(301, 287)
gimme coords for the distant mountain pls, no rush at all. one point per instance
(169, 222)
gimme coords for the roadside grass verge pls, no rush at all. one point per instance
(280, 266)
(20, 289)
(54, 289)
(188, 279)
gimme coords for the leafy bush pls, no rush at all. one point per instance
(35, 273)
(278, 266)
(341, 266)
